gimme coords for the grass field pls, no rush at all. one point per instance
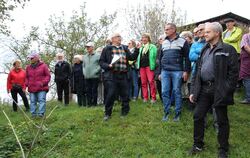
(141, 134)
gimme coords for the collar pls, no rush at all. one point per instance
(177, 36)
(93, 53)
(117, 46)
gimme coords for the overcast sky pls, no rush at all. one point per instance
(37, 12)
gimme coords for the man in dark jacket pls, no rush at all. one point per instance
(213, 85)
(62, 76)
(114, 61)
(174, 66)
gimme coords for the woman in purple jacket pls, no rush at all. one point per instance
(37, 80)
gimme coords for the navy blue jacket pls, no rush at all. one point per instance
(174, 55)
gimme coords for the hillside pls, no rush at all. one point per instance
(140, 134)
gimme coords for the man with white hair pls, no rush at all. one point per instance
(213, 85)
(114, 60)
(62, 78)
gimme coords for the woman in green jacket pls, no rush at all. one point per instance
(146, 63)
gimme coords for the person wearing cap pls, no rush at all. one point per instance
(62, 77)
(114, 60)
(245, 66)
(78, 81)
(37, 81)
(146, 64)
(16, 84)
(91, 70)
(232, 35)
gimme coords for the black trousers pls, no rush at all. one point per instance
(14, 93)
(63, 87)
(204, 104)
(92, 91)
(119, 85)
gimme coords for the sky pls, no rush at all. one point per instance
(37, 12)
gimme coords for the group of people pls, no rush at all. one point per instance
(207, 61)
(35, 79)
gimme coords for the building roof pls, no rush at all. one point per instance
(220, 19)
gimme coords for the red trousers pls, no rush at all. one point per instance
(147, 77)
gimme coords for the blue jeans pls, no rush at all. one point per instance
(246, 83)
(40, 98)
(174, 77)
(134, 85)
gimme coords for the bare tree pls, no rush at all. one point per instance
(151, 17)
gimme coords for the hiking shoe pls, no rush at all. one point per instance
(222, 154)
(177, 117)
(106, 118)
(165, 117)
(194, 150)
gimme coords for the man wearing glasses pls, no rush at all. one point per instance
(114, 60)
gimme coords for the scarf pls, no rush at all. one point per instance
(145, 48)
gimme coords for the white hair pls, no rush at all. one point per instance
(215, 26)
(78, 57)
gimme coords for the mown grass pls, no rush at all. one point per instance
(141, 134)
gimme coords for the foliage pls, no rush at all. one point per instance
(151, 17)
(6, 7)
(62, 35)
(140, 134)
(70, 37)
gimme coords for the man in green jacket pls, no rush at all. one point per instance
(232, 35)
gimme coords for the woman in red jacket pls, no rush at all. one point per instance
(16, 84)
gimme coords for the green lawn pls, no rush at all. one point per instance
(140, 134)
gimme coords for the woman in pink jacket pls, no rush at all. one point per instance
(37, 80)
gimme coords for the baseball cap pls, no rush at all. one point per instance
(89, 44)
(228, 20)
(33, 54)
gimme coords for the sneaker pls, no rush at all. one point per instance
(153, 101)
(245, 101)
(177, 117)
(106, 118)
(165, 117)
(222, 154)
(41, 116)
(145, 100)
(194, 150)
